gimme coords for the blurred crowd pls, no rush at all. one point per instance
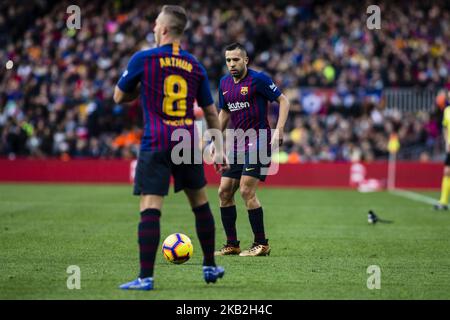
(57, 98)
(336, 137)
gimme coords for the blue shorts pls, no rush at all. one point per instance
(154, 169)
(247, 164)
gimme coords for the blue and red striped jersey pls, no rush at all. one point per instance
(247, 100)
(171, 80)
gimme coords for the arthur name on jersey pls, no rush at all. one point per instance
(237, 105)
(175, 62)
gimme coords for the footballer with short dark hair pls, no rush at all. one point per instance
(244, 95)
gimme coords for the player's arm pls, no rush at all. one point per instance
(220, 126)
(121, 96)
(205, 100)
(128, 87)
(282, 116)
(212, 121)
(211, 117)
(270, 91)
(224, 119)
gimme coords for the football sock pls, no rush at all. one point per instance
(256, 221)
(204, 225)
(148, 235)
(445, 190)
(229, 215)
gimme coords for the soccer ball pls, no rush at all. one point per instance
(177, 248)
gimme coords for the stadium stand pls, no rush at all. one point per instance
(57, 100)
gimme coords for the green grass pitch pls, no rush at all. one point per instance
(321, 244)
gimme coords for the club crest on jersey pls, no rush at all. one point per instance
(244, 90)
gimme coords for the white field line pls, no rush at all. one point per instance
(413, 196)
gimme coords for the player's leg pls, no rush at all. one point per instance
(445, 187)
(191, 179)
(248, 186)
(204, 223)
(227, 189)
(149, 233)
(151, 184)
(148, 239)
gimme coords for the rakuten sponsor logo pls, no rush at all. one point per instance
(237, 106)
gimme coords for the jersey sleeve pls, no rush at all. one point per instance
(267, 88)
(132, 75)
(222, 104)
(204, 97)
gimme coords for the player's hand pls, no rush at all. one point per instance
(220, 162)
(277, 138)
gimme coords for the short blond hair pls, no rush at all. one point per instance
(178, 18)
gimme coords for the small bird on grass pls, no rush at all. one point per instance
(372, 218)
